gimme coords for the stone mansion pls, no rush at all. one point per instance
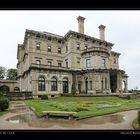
(50, 63)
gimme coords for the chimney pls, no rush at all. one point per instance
(102, 32)
(81, 24)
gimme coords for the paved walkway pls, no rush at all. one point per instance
(116, 121)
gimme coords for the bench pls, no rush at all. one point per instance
(69, 114)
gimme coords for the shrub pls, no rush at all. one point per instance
(128, 97)
(44, 97)
(4, 103)
(139, 117)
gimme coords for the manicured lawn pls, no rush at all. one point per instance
(84, 106)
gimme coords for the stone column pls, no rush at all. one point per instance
(126, 86)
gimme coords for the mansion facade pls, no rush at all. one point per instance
(50, 63)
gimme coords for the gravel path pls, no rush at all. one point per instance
(117, 121)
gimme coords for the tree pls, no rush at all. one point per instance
(11, 74)
(2, 72)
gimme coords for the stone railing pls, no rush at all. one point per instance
(19, 95)
(96, 49)
(42, 66)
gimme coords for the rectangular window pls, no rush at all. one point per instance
(38, 62)
(49, 48)
(66, 48)
(49, 63)
(90, 85)
(38, 46)
(78, 61)
(115, 61)
(59, 64)
(59, 50)
(53, 85)
(86, 47)
(66, 63)
(87, 63)
(103, 63)
(78, 46)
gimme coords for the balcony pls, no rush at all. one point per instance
(51, 67)
(96, 49)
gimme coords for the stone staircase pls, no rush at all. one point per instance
(18, 107)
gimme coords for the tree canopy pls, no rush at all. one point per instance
(2, 72)
(8, 74)
(11, 74)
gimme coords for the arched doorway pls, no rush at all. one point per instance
(65, 85)
(4, 89)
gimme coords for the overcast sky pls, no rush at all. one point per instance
(122, 29)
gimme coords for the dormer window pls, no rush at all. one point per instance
(49, 63)
(115, 61)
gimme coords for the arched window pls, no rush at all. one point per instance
(16, 89)
(4, 89)
(53, 84)
(65, 85)
(41, 84)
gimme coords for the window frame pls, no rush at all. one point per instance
(38, 45)
(41, 84)
(54, 84)
(88, 63)
(38, 61)
(59, 50)
(49, 48)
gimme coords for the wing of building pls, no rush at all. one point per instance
(51, 64)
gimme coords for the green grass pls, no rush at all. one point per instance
(84, 106)
(135, 124)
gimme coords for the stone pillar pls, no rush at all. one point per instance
(102, 32)
(126, 85)
(60, 84)
(81, 24)
(48, 87)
